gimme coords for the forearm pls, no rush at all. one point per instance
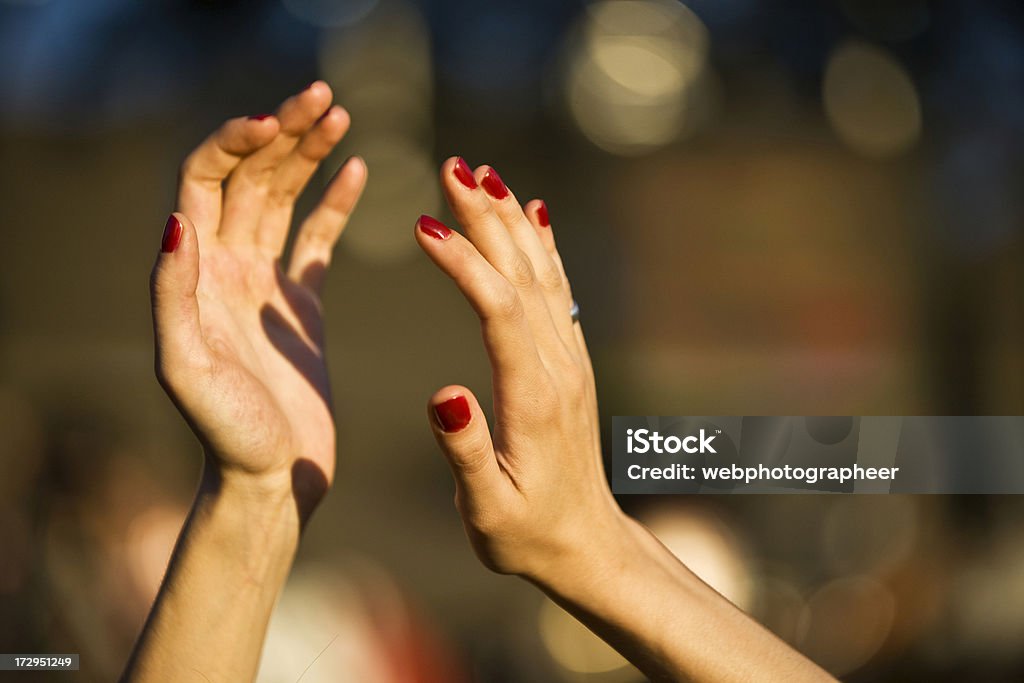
(227, 569)
(630, 590)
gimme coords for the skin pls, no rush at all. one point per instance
(239, 350)
(532, 491)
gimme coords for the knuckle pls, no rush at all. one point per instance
(507, 305)
(477, 211)
(281, 196)
(550, 279)
(547, 400)
(576, 387)
(474, 454)
(519, 271)
(159, 286)
(188, 168)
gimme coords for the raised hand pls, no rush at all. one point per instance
(532, 491)
(532, 488)
(239, 349)
(239, 336)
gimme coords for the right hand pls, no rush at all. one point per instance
(532, 491)
(239, 339)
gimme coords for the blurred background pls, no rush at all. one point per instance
(775, 207)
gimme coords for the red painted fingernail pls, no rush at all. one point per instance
(464, 173)
(453, 415)
(172, 235)
(434, 228)
(542, 214)
(494, 185)
(259, 117)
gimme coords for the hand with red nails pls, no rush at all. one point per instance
(513, 483)
(239, 349)
(531, 489)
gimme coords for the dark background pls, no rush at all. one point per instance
(779, 208)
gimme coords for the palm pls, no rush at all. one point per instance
(239, 338)
(271, 390)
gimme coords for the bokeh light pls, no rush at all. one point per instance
(706, 545)
(635, 72)
(575, 647)
(148, 545)
(383, 74)
(848, 621)
(871, 100)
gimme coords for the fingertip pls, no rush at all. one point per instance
(317, 87)
(319, 91)
(453, 415)
(177, 264)
(174, 230)
(433, 228)
(451, 408)
(489, 179)
(179, 234)
(356, 166)
(260, 129)
(537, 211)
(335, 121)
(543, 218)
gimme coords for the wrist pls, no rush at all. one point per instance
(299, 488)
(255, 519)
(587, 554)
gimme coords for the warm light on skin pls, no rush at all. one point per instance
(705, 545)
(848, 621)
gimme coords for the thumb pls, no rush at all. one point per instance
(461, 432)
(179, 339)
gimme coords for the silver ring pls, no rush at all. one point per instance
(574, 312)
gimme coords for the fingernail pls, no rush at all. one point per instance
(311, 84)
(172, 235)
(434, 228)
(494, 185)
(542, 214)
(464, 173)
(453, 415)
(259, 117)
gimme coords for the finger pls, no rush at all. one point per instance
(483, 228)
(506, 330)
(548, 276)
(315, 242)
(294, 173)
(461, 432)
(204, 170)
(489, 235)
(180, 346)
(249, 184)
(536, 211)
